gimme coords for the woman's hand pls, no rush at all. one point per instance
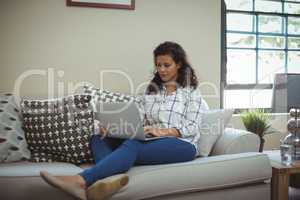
(100, 129)
(155, 132)
(161, 132)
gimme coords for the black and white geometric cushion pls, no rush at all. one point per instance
(105, 95)
(13, 146)
(59, 129)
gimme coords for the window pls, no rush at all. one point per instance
(262, 37)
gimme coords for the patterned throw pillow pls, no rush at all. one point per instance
(105, 95)
(60, 129)
(13, 146)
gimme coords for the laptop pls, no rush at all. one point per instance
(122, 120)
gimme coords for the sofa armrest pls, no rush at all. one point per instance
(236, 141)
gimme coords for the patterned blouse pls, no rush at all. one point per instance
(180, 110)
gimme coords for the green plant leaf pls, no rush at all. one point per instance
(256, 121)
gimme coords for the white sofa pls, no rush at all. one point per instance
(234, 170)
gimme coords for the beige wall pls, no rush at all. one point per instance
(69, 45)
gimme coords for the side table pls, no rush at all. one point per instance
(280, 176)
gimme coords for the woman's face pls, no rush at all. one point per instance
(166, 68)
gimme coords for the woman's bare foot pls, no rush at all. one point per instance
(105, 188)
(73, 185)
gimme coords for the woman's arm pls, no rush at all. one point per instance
(99, 130)
(189, 124)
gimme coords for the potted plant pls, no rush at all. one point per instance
(257, 121)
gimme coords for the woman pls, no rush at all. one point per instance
(171, 105)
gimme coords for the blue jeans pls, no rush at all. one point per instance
(114, 156)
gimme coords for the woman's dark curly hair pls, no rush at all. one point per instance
(186, 74)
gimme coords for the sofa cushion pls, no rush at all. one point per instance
(201, 174)
(29, 169)
(13, 146)
(106, 96)
(59, 129)
(211, 127)
(21, 180)
(236, 141)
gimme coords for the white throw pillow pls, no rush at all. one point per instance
(211, 127)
